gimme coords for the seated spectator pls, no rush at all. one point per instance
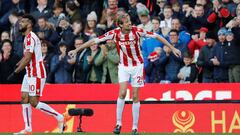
(8, 61)
(188, 73)
(60, 67)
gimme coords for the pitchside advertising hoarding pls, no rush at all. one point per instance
(154, 118)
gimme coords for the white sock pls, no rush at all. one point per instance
(49, 110)
(135, 113)
(27, 116)
(120, 106)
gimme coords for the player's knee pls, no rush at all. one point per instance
(135, 99)
(33, 102)
(24, 100)
(122, 96)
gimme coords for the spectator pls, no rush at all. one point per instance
(77, 27)
(47, 54)
(65, 31)
(17, 37)
(143, 14)
(57, 15)
(155, 72)
(73, 11)
(233, 48)
(91, 24)
(166, 23)
(188, 73)
(109, 15)
(42, 9)
(8, 61)
(60, 67)
(5, 35)
(149, 44)
(159, 11)
(110, 66)
(195, 18)
(217, 60)
(203, 59)
(218, 17)
(132, 11)
(184, 36)
(197, 42)
(171, 62)
(79, 73)
(95, 58)
(46, 31)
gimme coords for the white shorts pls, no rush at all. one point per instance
(33, 85)
(135, 73)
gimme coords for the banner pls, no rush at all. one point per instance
(154, 118)
(105, 92)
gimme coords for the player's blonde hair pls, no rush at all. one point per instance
(121, 18)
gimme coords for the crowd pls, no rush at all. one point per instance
(207, 32)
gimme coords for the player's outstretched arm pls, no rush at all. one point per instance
(165, 42)
(85, 45)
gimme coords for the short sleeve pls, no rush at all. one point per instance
(144, 33)
(30, 43)
(107, 36)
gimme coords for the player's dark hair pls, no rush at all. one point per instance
(31, 18)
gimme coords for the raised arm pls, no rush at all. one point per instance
(165, 42)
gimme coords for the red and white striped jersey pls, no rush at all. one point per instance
(35, 68)
(128, 45)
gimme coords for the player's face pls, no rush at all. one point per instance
(23, 24)
(127, 24)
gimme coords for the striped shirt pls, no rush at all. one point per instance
(35, 68)
(128, 45)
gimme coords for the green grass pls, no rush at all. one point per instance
(121, 134)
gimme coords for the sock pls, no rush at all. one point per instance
(50, 111)
(120, 106)
(135, 113)
(27, 116)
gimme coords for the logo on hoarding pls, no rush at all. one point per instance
(183, 120)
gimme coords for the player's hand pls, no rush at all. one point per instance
(72, 53)
(12, 77)
(176, 52)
